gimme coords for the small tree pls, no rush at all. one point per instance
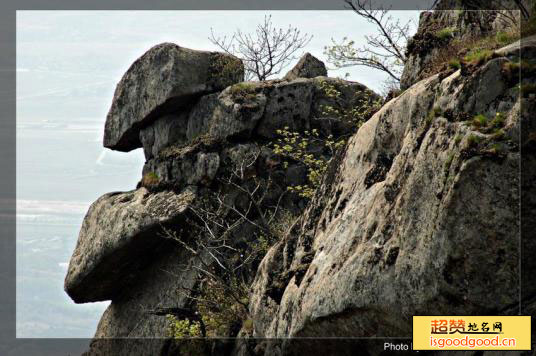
(266, 51)
(385, 50)
(233, 228)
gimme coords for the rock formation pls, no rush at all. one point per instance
(307, 67)
(164, 79)
(417, 214)
(421, 218)
(202, 141)
(428, 47)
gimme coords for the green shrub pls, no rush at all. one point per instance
(498, 135)
(479, 56)
(480, 121)
(150, 179)
(473, 140)
(455, 64)
(435, 112)
(182, 328)
(504, 38)
(296, 146)
(458, 139)
(498, 121)
(496, 149)
(445, 33)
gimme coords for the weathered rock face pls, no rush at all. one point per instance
(307, 67)
(118, 237)
(419, 216)
(425, 46)
(162, 81)
(165, 131)
(255, 110)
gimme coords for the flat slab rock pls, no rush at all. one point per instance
(120, 231)
(166, 78)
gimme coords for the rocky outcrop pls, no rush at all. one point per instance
(208, 145)
(419, 216)
(164, 79)
(117, 238)
(255, 110)
(307, 67)
(426, 49)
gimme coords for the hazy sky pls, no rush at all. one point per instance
(68, 63)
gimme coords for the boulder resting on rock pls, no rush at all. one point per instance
(164, 80)
(307, 67)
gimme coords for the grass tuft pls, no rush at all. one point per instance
(478, 56)
(447, 32)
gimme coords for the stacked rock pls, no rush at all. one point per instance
(194, 118)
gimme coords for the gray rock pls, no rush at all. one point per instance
(524, 48)
(119, 235)
(134, 316)
(165, 131)
(164, 80)
(307, 67)
(424, 47)
(252, 109)
(413, 219)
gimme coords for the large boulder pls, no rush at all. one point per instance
(164, 80)
(420, 216)
(119, 236)
(307, 67)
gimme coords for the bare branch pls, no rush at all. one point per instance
(266, 51)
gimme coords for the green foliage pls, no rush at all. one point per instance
(496, 149)
(498, 135)
(220, 309)
(473, 140)
(435, 112)
(244, 90)
(485, 125)
(498, 121)
(182, 328)
(455, 64)
(150, 179)
(479, 56)
(296, 147)
(248, 325)
(480, 121)
(447, 32)
(458, 139)
(525, 67)
(299, 147)
(358, 114)
(505, 38)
